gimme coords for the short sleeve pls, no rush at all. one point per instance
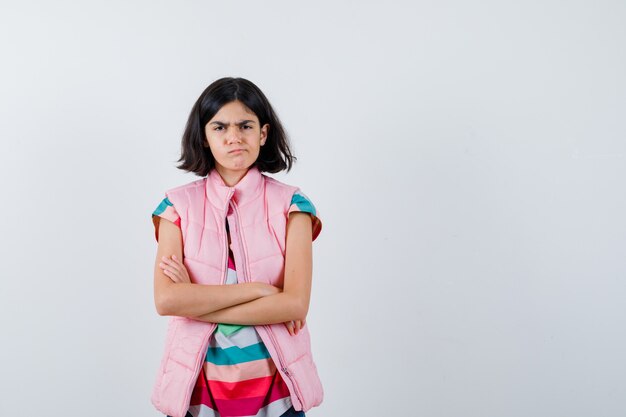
(300, 202)
(166, 211)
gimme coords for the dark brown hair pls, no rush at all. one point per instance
(274, 156)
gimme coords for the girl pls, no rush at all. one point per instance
(241, 349)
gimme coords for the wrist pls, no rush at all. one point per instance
(267, 289)
(259, 289)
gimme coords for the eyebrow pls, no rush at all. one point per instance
(242, 122)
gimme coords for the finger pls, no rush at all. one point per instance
(290, 327)
(178, 262)
(172, 266)
(171, 270)
(169, 265)
(174, 275)
(174, 261)
(298, 326)
(182, 270)
(169, 275)
(176, 267)
(171, 261)
(177, 274)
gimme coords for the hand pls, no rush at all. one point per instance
(174, 269)
(294, 326)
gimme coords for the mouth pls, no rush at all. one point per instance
(236, 151)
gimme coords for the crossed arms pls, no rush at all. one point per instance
(250, 303)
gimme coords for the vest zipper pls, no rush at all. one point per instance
(282, 364)
(205, 344)
(244, 262)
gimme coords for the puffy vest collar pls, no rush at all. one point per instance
(248, 188)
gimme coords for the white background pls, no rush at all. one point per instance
(467, 159)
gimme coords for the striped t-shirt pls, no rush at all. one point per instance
(239, 377)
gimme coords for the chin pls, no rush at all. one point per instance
(240, 167)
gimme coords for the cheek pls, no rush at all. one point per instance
(213, 141)
(214, 151)
(255, 147)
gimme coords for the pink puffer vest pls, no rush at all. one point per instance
(258, 225)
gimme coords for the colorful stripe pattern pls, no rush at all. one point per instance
(300, 202)
(239, 377)
(164, 210)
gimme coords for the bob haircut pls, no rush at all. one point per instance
(274, 156)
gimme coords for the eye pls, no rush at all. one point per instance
(218, 128)
(247, 127)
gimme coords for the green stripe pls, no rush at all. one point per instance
(228, 329)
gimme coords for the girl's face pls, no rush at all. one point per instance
(235, 137)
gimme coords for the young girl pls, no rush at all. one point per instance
(240, 349)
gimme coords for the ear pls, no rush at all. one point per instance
(264, 130)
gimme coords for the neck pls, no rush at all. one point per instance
(230, 177)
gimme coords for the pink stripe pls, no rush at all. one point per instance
(170, 214)
(240, 371)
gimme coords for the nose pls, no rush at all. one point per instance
(233, 136)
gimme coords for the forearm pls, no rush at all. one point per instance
(190, 300)
(276, 308)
